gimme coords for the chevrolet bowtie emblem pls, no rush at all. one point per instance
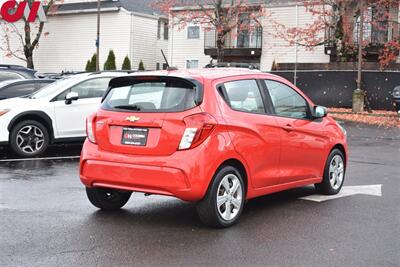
(132, 118)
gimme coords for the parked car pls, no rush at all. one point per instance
(396, 98)
(21, 88)
(216, 137)
(15, 72)
(251, 66)
(56, 76)
(54, 114)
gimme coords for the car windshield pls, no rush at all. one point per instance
(55, 87)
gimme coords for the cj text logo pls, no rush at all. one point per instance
(11, 11)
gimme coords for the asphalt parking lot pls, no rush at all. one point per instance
(46, 220)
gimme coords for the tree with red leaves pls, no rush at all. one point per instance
(28, 35)
(390, 52)
(219, 15)
(340, 20)
(348, 26)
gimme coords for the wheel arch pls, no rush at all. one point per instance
(38, 116)
(240, 167)
(342, 149)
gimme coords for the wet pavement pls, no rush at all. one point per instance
(46, 220)
(70, 150)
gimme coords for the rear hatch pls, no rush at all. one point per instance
(145, 115)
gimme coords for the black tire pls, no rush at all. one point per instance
(325, 187)
(106, 198)
(207, 208)
(397, 106)
(13, 143)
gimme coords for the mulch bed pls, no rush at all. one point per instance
(381, 118)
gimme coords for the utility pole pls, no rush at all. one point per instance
(360, 44)
(98, 38)
(296, 46)
(358, 94)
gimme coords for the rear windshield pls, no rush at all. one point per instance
(151, 96)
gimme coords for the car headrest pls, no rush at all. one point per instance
(146, 105)
(238, 93)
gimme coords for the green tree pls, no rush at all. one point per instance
(87, 68)
(91, 64)
(141, 65)
(274, 66)
(126, 65)
(110, 62)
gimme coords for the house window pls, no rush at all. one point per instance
(164, 66)
(367, 27)
(192, 64)
(193, 32)
(166, 31)
(376, 31)
(159, 30)
(157, 66)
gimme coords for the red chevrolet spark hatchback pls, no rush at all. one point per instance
(216, 137)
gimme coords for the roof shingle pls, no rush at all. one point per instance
(138, 6)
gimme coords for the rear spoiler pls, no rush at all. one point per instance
(129, 80)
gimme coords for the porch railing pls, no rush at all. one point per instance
(244, 39)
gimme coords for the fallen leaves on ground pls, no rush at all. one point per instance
(381, 118)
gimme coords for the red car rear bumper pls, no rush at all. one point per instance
(178, 175)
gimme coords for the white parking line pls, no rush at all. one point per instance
(34, 159)
(372, 190)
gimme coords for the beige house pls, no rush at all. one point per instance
(194, 46)
(132, 28)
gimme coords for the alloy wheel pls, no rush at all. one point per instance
(229, 197)
(336, 172)
(30, 139)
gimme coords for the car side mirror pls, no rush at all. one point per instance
(71, 96)
(320, 112)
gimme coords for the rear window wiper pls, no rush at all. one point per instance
(129, 107)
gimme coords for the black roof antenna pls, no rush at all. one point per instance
(166, 61)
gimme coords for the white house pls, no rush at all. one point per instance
(194, 46)
(129, 27)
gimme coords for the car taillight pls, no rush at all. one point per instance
(90, 128)
(198, 128)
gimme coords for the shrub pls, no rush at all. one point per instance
(87, 68)
(126, 65)
(91, 64)
(141, 65)
(274, 66)
(110, 62)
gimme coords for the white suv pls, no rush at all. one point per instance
(55, 114)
